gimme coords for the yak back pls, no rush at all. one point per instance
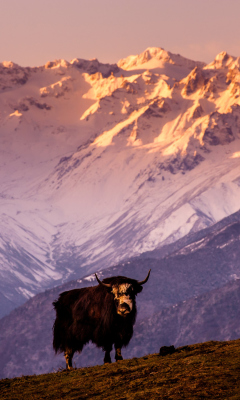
(78, 314)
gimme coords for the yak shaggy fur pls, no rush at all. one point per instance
(91, 314)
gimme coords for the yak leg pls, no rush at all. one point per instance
(107, 357)
(118, 354)
(68, 354)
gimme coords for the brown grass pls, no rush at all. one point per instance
(203, 371)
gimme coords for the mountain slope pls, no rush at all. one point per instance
(103, 162)
(192, 295)
(209, 370)
(212, 316)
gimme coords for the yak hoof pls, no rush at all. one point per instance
(107, 360)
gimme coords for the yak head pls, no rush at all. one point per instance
(124, 291)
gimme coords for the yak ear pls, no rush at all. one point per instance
(138, 289)
(109, 289)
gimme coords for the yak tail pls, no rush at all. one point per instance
(60, 326)
(57, 337)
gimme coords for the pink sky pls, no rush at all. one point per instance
(33, 32)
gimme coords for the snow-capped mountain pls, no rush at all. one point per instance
(102, 162)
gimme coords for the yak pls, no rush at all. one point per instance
(104, 314)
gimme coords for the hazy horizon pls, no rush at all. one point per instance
(33, 33)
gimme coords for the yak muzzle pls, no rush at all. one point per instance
(123, 309)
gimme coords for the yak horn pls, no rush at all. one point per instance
(101, 283)
(146, 279)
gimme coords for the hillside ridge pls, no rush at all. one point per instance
(209, 370)
(193, 294)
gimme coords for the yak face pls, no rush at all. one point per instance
(124, 297)
(124, 291)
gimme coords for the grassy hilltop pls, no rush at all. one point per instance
(209, 370)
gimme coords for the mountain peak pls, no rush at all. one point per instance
(57, 64)
(149, 54)
(9, 64)
(224, 60)
(223, 56)
(155, 57)
(93, 66)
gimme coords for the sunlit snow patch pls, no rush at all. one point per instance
(235, 155)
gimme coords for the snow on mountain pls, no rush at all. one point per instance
(224, 60)
(102, 162)
(155, 57)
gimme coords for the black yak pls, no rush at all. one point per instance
(104, 314)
